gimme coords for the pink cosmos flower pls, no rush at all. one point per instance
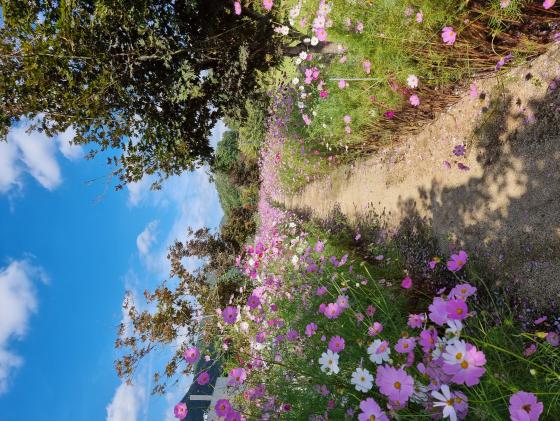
(306, 119)
(360, 317)
(540, 320)
(342, 302)
(191, 355)
(336, 344)
(414, 100)
(237, 376)
(462, 291)
(530, 350)
(370, 310)
(347, 120)
(237, 8)
(367, 66)
(394, 383)
(405, 345)
(267, 4)
(222, 408)
(448, 35)
(321, 291)
(419, 17)
(180, 411)
(359, 27)
(524, 406)
(547, 4)
(457, 309)
(416, 321)
(553, 338)
(504, 3)
(332, 311)
(229, 314)
(342, 59)
(203, 378)
(438, 311)
(468, 367)
(473, 90)
(457, 261)
(233, 416)
(342, 84)
(406, 282)
(375, 329)
(371, 411)
(428, 339)
(321, 34)
(253, 301)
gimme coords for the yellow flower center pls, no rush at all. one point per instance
(362, 379)
(372, 418)
(527, 408)
(459, 311)
(464, 364)
(397, 385)
(458, 356)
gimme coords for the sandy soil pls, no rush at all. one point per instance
(505, 208)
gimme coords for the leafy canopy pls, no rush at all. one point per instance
(142, 80)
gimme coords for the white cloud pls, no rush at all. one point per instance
(34, 153)
(9, 171)
(69, 150)
(18, 302)
(127, 402)
(38, 153)
(147, 238)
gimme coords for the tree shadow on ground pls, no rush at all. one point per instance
(508, 217)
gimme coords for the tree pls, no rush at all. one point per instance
(177, 312)
(142, 80)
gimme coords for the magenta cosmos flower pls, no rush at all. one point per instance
(375, 329)
(191, 355)
(336, 344)
(547, 4)
(180, 411)
(253, 301)
(414, 100)
(371, 411)
(223, 407)
(457, 261)
(229, 315)
(428, 339)
(524, 406)
(406, 282)
(203, 378)
(416, 321)
(457, 309)
(448, 35)
(394, 383)
(237, 376)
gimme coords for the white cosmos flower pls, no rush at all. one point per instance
(445, 400)
(362, 379)
(412, 81)
(329, 362)
(314, 41)
(379, 351)
(303, 55)
(295, 81)
(455, 327)
(297, 61)
(455, 352)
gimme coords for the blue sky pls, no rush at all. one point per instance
(69, 249)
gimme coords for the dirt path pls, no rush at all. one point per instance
(505, 207)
